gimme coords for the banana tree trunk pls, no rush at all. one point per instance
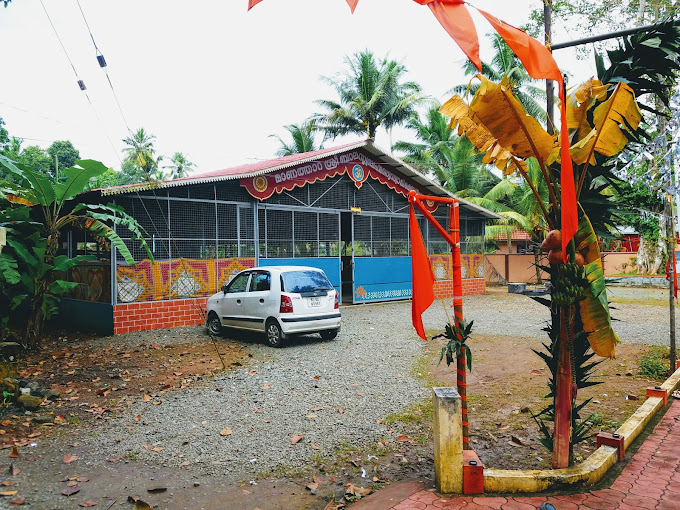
(564, 394)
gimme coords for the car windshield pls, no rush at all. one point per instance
(304, 281)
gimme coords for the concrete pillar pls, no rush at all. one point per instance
(448, 441)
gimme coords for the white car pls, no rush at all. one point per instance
(278, 301)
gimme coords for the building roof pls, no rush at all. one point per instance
(516, 235)
(276, 164)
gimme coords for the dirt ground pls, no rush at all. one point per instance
(96, 381)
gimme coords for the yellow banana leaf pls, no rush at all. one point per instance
(580, 101)
(481, 138)
(594, 306)
(496, 123)
(607, 137)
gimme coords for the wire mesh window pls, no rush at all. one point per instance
(287, 233)
(381, 235)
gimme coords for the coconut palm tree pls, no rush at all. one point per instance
(505, 63)
(179, 166)
(140, 151)
(519, 208)
(434, 135)
(462, 171)
(371, 95)
(303, 139)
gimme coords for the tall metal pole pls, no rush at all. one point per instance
(670, 230)
(549, 90)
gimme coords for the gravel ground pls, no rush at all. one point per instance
(330, 392)
(333, 393)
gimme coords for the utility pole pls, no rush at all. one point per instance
(549, 91)
(670, 232)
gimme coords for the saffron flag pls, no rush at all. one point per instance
(421, 275)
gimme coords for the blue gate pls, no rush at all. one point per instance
(381, 278)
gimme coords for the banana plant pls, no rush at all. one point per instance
(35, 214)
(603, 119)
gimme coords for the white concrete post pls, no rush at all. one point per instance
(448, 441)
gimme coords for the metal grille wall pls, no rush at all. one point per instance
(197, 240)
(381, 235)
(297, 233)
(189, 228)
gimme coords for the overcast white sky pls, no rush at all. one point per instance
(208, 78)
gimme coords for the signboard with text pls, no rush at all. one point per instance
(357, 165)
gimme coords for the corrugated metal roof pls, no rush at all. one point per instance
(273, 165)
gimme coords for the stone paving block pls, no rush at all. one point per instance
(599, 503)
(516, 505)
(609, 494)
(571, 498)
(639, 501)
(496, 503)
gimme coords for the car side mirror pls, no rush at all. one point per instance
(224, 289)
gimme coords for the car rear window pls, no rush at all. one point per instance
(304, 281)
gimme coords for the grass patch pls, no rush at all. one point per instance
(417, 413)
(654, 363)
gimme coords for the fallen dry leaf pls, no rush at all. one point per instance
(183, 464)
(311, 416)
(8, 493)
(312, 486)
(403, 438)
(141, 505)
(18, 501)
(88, 503)
(138, 417)
(147, 397)
(225, 431)
(71, 483)
(14, 453)
(68, 458)
(156, 490)
(341, 410)
(296, 438)
(82, 479)
(6, 483)
(315, 447)
(13, 470)
(267, 386)
(69, 491)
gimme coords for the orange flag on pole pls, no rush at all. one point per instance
(421, 275)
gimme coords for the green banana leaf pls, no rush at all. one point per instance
(594, 307)
(104, 230)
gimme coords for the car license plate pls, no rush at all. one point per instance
(314, 302)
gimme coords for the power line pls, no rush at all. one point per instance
(81, 83)
(102, 64)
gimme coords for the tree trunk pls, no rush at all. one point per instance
(650, 255)
(564, 393)
(537, 261)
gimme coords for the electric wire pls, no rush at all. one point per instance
(82, 87)
(113, 91)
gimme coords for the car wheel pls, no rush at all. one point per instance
(214, 325)
(275, 336)
(328, 334)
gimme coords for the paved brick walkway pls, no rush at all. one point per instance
(650, 481)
